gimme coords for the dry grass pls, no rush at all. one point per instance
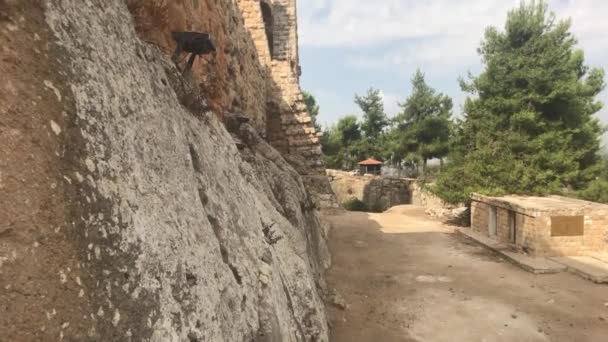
(149, 15)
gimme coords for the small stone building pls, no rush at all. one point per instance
(542, 226)
(371, 167)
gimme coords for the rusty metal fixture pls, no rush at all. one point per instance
(195, 43)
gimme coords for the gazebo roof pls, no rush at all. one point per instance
(370, 162)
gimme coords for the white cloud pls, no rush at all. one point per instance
(436, 32)
(440, 36)
(391, 103)
(445, 52)
(368, 23)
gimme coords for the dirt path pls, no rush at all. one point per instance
(407, 277)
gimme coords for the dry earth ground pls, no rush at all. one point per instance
(408, 277)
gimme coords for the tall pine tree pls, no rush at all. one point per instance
(374, 117)
(529, 126)
(340, 143)
(423, 127)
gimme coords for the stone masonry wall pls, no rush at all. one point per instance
(252, 16)
(289, 125)
(378, 193)
(479, 217)
(533, 233)
(594, 239)
(525, 225)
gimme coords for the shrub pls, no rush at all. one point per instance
(149, 15)
(597, 191)
(354, 204)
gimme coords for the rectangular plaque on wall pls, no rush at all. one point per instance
(567, 225)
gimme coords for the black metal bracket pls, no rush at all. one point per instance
(195, 43)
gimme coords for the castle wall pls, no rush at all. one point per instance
(289, 125)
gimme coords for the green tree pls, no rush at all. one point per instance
(422, 129)
(341, 143)
(597, 190)
(313, 108)
(528, 126)
(374, 118)
(349, 129)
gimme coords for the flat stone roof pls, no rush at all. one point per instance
(543, 206)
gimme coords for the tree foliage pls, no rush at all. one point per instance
(313, 108)
(422, 129)
(597, 190)
(374, 117)
(352, 140)
(340, 143)
(528, 125)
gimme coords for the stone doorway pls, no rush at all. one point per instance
(492, 222)
(512, 227)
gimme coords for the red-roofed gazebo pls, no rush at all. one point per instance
(371, 166)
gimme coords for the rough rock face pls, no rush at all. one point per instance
(162, 229)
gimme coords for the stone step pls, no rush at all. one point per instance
(599, 256)
(586, 267)
(528, 263)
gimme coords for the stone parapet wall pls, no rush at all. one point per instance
(386, 192)
(378, 193)
(423, 197)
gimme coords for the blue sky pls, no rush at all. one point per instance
(346, 46)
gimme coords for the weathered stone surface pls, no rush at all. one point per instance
(165, 217)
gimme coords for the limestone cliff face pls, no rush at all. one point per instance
(161, 228)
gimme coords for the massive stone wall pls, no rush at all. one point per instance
(128, 211)
(255, 71)
(273, 27)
